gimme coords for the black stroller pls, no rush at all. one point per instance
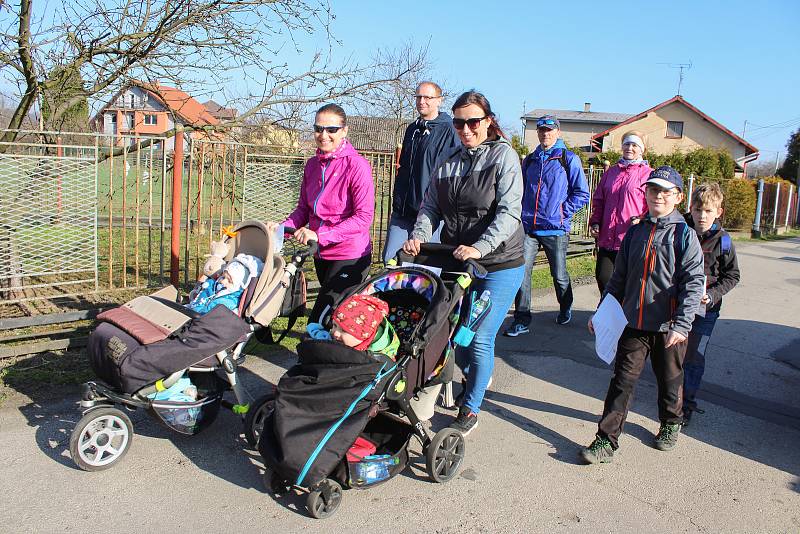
(196, 353)
(343, 418)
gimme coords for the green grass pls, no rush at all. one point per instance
(788, 234)
(578, 267)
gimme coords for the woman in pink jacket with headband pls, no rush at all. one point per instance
(335, 209)
(618, 203)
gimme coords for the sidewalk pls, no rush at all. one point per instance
(736, 470)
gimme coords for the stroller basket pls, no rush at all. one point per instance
(391, 439)
(187, 418)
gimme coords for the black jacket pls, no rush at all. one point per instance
(425, 145)
(719, 263)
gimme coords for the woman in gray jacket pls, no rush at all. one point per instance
(477, 193)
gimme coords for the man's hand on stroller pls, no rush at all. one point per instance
(465, 252)
(412, 247)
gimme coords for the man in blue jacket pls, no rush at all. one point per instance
(555, 188)
(427, 142)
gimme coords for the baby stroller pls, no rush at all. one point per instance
(344, 418)
(155, 354)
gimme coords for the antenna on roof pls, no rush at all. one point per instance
(680, 66)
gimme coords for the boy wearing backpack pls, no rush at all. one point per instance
(722, 275)
(658, 279)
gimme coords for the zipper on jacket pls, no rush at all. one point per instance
(319, 195)
(649, 263)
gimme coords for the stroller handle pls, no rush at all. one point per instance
(439, 255)
(313, 246)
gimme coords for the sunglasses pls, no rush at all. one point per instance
(473, 123)
(329, 129)
(546, 122)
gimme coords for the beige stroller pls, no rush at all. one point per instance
(155, 354)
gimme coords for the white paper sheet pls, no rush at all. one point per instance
(609, 321)
(435, 270)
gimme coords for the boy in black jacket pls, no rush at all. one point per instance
(658, 279)
(722, 275)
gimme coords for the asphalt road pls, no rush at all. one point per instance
(737, 468)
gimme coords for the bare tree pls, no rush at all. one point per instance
(209, 43)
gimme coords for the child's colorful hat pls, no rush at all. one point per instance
(360, 316)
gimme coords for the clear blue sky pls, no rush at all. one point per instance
(745, 55)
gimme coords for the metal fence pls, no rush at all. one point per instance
(777, 207)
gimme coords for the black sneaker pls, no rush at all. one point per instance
(466, 421)
(687, 416)
(667, 436)
(599, 452)
(564, 317)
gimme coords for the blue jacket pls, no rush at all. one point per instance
(426, 144)
(551, 196)
(211, 295)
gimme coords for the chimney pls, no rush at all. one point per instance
(586, 106)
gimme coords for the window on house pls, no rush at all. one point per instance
(132, 98)
(114, 118)
(151, 120)
(674, 129)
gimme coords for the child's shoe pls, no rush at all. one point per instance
(667, 436)
(599, 452)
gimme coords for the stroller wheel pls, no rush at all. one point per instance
(100, 439)
(274, 483)
(259, 411)
(325, 500)
(445, 454)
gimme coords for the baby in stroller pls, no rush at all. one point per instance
(344, 417)
(227, 289)
(361, 322)
(156, 354)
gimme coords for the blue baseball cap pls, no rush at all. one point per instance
(666, 177)
(549, 122)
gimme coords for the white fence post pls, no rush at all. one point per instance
(757, 220)
(777, 203)
(691, 189)
(789, 206)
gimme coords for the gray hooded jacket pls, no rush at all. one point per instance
(477, 192)
(659, 291)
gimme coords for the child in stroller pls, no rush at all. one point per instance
(153, 353)
(344, 417)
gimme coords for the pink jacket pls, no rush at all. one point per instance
(337, 201)
(618, 197)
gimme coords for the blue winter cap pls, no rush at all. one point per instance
(666, 177)
(549, 122)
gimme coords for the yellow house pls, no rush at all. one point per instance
(676, 125)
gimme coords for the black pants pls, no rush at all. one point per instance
(337, 277)
(604, 267)
(633, 349)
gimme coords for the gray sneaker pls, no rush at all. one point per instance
(667, 436)
(599, 452)
(466, 422)
(516, 329)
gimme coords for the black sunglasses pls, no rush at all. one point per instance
(329, 129)
(473, 123)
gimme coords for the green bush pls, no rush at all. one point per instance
(740, 203)
(711, 163)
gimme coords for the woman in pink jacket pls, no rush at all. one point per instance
(336, 207)
(618, 203)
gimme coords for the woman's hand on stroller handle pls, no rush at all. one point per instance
(306, 237)
(472, 267)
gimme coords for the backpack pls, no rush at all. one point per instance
(561, 159)
(292, 307)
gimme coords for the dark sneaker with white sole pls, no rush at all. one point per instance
(599, 452)
(466, 422)
(564, 317)
(667, 436)
(516, 329)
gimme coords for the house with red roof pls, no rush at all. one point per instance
(142, 109)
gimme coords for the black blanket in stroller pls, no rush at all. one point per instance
(122, 362)
(322, 404)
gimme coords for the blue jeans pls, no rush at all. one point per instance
(477, 360)
(555, 248)
(694, 365)
(399, 232)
